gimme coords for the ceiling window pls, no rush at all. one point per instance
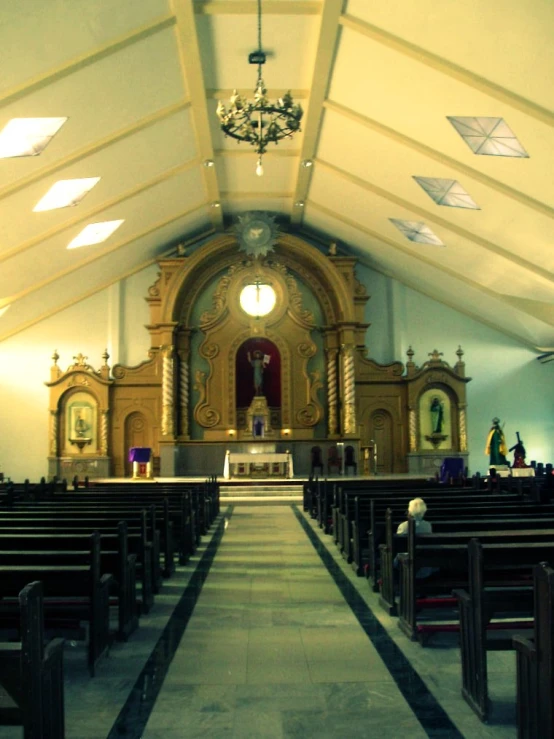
(488, 136)
(94, 233)
(65, 193)
(28, 137)
(416, 231)
(447, 192)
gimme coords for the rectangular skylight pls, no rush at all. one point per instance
(416, 231)
(94, 233)
(488, 136)
(447, 192)
(66, 192)
(27, 137)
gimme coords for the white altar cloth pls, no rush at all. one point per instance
(233, 458)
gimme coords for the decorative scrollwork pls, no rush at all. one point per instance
(208, 417)
(78, 380)
(308, 416)
(154, 290)
(359, 289)
(306, 349)
(119, 372)
(209, 350)
(203, 413)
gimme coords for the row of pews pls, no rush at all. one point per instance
(71, 560)
(483, 573)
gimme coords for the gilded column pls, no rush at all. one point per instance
(184, 381)
(167, 392)
(54, 433)
(332, 393)
(412, 427)
(349, 391)
(462, 430)
(104, 433)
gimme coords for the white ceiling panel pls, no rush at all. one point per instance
(476, 36)
(377, 84)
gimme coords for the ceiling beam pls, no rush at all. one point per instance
(94, 148)
(250, 7)
(85, 60)
(95, 256)
(442, 222)
(446, 67)
(87, 215)
(460, 277)
(323, 64)
(438, 156)
(191, 69)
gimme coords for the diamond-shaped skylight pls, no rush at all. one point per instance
(27, 137)
(94, 233)
(66, 192)
(447, 192)
(491, 136)
(416, 231)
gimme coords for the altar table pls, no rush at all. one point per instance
(275, 461)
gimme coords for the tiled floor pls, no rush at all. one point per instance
(268, 633)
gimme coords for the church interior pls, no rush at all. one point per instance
(277, 244)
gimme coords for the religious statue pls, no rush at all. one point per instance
(81, 426)
(437, 415)
(259, 362)
(519, 454)
(496, 445)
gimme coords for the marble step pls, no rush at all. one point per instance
(260, 491)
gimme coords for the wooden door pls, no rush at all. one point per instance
(380, 430)
(137, 433)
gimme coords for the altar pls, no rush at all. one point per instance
(257, 464)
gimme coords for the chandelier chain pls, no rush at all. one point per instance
(259, 39)
(260, 122)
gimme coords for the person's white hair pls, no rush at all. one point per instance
(417, 508)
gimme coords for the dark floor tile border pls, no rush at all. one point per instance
(432, 717)
(136, 711)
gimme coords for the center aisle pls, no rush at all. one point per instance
(273, 649)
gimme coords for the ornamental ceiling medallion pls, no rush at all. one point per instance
(257, 233)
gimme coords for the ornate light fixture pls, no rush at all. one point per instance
(260, 122)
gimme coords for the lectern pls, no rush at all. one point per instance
(141, 457)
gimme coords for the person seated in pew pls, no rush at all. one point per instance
(417, 508)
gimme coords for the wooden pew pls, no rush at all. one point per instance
(475, 526)
(32, 673)
(72, 593)
(481, 603)
(509, 507)
(535, 662)
(74, 548)
(137, 544)
(449, 554)
(142, 530)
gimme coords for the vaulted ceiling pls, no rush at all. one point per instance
(139, 82)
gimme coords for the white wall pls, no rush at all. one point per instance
(507, 380)
(100, 322)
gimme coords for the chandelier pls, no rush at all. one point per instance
(260, 122)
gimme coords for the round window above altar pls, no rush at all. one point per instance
(258, 299)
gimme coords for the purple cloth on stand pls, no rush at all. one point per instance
(452, 467)
(140, 454)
